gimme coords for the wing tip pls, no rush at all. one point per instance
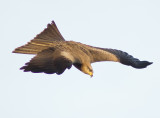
(53, 22)
(149, 63)
(13, 51)
(142, 64)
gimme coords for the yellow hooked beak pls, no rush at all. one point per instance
(91, 74)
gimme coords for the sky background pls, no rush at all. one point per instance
(115, 91)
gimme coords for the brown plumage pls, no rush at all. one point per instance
(54, 54)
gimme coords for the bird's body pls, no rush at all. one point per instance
(54, 54)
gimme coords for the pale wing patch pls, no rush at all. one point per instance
(68, 56)
(101, 55)
(107, 56)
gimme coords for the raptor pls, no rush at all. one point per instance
(53, 54)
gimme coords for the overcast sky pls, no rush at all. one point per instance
(115, 91)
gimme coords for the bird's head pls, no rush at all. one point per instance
(87, 69)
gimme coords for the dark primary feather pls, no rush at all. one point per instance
(127, 59)
(45, 62)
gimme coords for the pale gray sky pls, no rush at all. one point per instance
(115, 91)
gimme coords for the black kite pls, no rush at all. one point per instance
(54, 54)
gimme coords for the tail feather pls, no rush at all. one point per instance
(42, 41)
(31, 48)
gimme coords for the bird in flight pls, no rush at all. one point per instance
(53, 54)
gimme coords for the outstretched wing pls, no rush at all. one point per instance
(48, 61)
(104, 54)
(42, 41)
